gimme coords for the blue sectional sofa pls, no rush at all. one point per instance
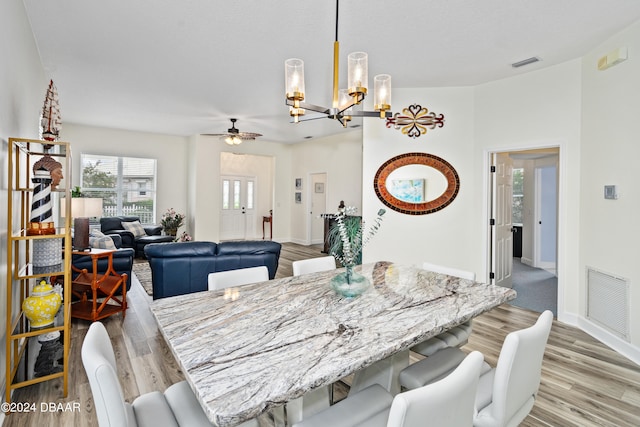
(182, 268)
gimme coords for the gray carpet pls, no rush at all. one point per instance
(143, 273)
(537, 288)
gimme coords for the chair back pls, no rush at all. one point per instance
(100, 365)
(517, 374)
(469, 275)
(239, 277)
(445, 403)
(313, 265)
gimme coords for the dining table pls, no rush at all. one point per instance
(251, 349)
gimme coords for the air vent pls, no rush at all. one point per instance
(608, 301)
(525, 62)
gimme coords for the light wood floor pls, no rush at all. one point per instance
(584, 383)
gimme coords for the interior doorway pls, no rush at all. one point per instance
(524, 236)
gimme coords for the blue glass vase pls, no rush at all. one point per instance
(349, 284)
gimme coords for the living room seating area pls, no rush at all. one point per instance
(133, 233)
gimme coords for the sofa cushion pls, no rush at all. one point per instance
(135, 228)
(101, 242)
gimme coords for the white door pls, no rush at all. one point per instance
(502, 241)
(237, 217)
(318, 199)
(546, 218)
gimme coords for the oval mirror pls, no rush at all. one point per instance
(416, 183)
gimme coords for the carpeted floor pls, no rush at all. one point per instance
(537, 288)
(143, 273)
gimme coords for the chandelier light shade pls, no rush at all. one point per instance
(382, 93)
(357, 73)
(343, 99)
(294, 76)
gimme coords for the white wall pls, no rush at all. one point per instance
(538, 109)
(446, 237)
(23, 86)
(170, 152)
(340, 157)
(609, 229)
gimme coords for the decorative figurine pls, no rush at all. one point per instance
(50, 120)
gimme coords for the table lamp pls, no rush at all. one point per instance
(82, 208)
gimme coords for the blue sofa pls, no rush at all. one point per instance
(184, 267)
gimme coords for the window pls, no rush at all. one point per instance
(518, 196)
(127, 185)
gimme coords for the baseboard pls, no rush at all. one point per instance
(618, 344)
(526, 261)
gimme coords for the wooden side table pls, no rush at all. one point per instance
(97, 291)
(265, 220)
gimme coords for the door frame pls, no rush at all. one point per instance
(561, 215)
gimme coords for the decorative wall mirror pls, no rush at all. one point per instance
(416, 183)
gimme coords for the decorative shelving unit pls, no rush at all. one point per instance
(24, 343)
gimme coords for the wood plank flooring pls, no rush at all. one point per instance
(584, 383)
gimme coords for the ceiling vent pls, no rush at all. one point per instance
(525, 62)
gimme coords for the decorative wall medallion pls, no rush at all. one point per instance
(415, 120)
(425, 159)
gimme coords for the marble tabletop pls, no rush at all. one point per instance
(247, 350)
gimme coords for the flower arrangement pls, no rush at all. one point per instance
(171, 220)
(346, 237)
(184, 237)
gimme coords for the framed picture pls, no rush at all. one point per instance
(319, 187)
(408, 190)
(298, 197)
(298, 183)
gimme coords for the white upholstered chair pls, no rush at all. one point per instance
(313, 265)
(239, 277)
(177, 406)
(507, 392)
(445, 403)
(456, 336)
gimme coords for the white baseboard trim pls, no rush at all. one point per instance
(618, 344)
(526, 261)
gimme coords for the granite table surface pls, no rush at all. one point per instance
(250, 349)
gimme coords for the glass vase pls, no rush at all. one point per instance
(349, 283)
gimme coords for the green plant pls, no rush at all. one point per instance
(346, 236)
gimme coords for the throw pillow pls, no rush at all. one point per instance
(103, 242)
(135, 228)
(95, 233)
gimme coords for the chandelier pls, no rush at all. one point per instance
(343, 99)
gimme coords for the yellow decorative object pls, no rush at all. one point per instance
(43, 304)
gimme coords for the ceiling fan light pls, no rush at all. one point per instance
(294, 79)
(233, 140)
(357, 73)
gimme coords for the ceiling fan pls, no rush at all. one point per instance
(233, 136)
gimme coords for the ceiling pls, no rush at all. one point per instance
(186, 67)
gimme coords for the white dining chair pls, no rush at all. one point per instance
(239, 277)
(445, 403)
(177, 406)
(313, 265)
(507, 392)
(456, 336)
